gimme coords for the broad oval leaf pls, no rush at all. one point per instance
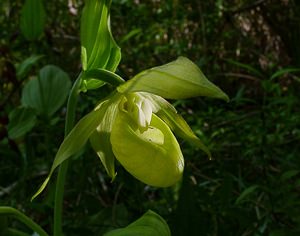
(150, 224)
(75, 140)
(152, 156)
(176, 80)
(99, 50)
(21, 121)
(32, 19)
(48, 92)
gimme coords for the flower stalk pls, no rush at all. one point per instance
(62, 172)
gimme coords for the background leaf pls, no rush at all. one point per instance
(246, 193)
(48, 92)
(247, 67)
(188, 218)
(24, 67)
(33, 18)
(21, 121)
(283, 72)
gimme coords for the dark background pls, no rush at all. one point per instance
(252, 185)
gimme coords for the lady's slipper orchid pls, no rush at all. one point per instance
(139, 139)
(135, 124)
(144, 144)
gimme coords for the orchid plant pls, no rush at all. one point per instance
(134, 125)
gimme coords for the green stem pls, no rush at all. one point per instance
(104, 75)
(62, 172)
(23, 218)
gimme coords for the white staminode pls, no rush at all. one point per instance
(140, 109)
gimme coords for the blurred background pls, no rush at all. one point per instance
(250, 49)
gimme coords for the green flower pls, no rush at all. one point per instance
(139, 139)
(135, 124)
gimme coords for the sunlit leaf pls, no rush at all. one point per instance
(150, 224)
(99, 50)
(32, 19)
(175, 80)
(21, 121)
(48, 92)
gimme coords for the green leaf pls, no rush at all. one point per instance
(131, 34)
(246, 193)
(249, 68)
(289, 174)
(178, 125)
(283, 72)
(33, 19)
(175, 80)
(24, 67)
(150, 224)
(153, 156)
(100, 139)
(76, 139)
(48, 92)
(21, 121)
(99, 50)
